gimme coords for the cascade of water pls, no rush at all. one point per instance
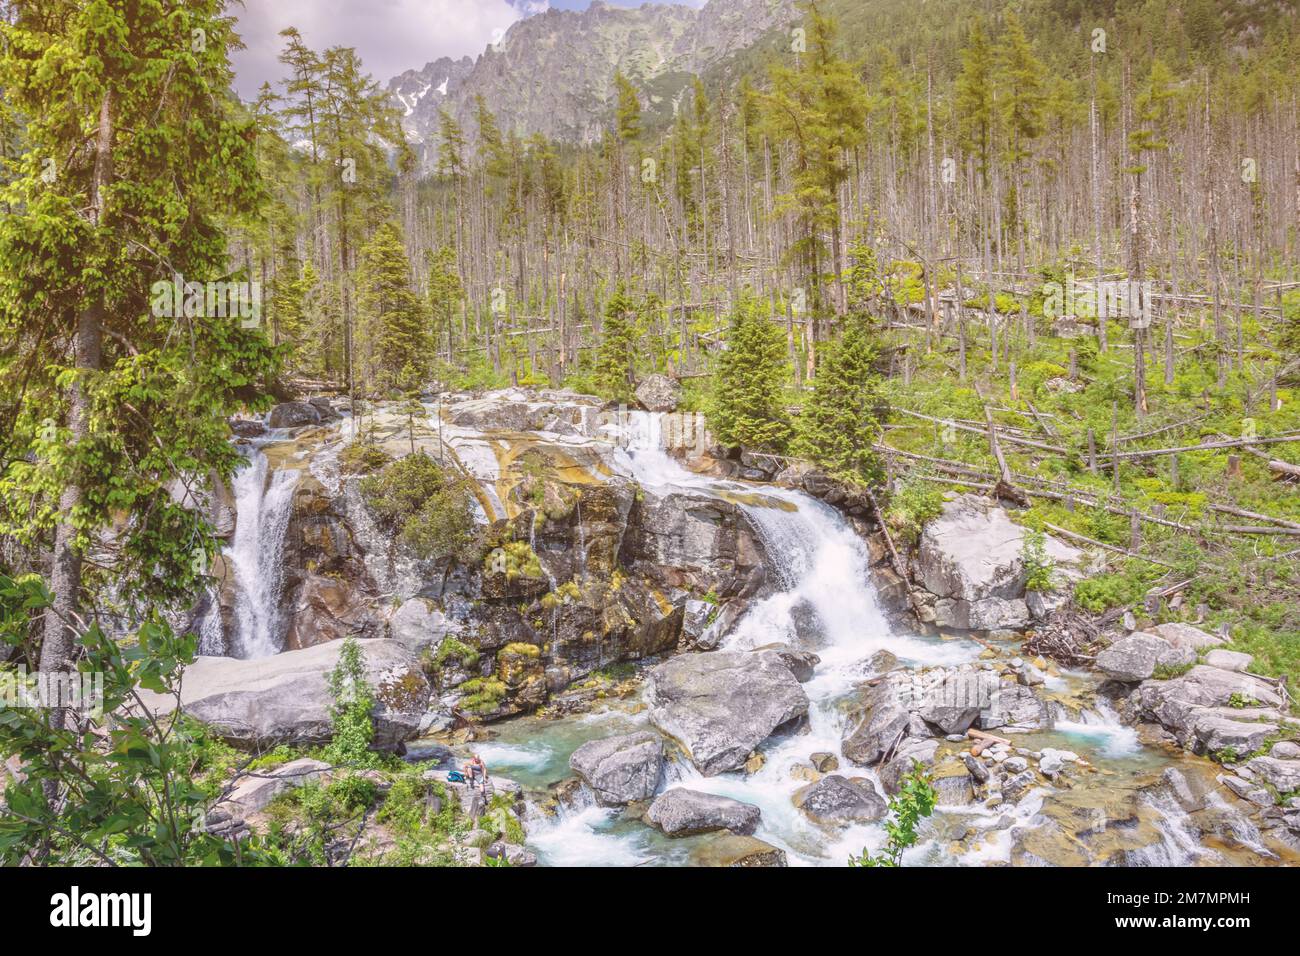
(262, 508)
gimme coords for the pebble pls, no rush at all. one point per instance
(1016, 764)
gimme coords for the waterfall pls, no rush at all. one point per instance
(262, 509)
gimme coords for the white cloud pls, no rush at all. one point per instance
(389, 35)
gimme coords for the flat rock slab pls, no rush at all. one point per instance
(721, 705)
(1229, 660)
(682, 812)
(285, 699)
(1185, 635)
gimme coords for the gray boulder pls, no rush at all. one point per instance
(723, 704)
(1282, 775)
(801, 663)
(1133, 659)
(877, 728)
(620, 769)
(256, 791)
(1185, 635)
(682, 812)
(1229, 660)
(971, 559)
(838, 801)
(285, 699)
(419, 626)
(658, 393)
(294, 415)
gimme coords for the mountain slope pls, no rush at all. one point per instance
(554, 73)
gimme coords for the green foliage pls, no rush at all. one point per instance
(392, 326)
(360, 457)
(122, 786)
(137, 397)
(914, 503)
(841, 421)
(1038, 566)
(354, 730)
(429, 507)
(914, 801)
(482, 694)
(614, 372)
(747, 408)
(1105, 591)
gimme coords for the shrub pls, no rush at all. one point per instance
(911, 506)
(362, 456)
(354, 731)
(915, 799)
(430, 509)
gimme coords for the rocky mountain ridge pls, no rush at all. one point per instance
(553, 73)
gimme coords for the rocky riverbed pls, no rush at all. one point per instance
(673, 655)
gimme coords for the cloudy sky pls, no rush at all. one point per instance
(390, 35)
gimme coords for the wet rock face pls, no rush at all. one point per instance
(971, 560)
(732, 850)
(259, 704)
(693, 542)
(619, 770)
(328, 592)
(723, 704)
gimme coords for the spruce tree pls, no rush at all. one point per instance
(841, 421)
(616, 355)
(393, 325)
(746, 408)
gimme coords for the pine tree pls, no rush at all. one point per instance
(615, 358)
(974, 106)
(628, 111)
(747, 406)
(841, 421)
(820, 108)
(445, 291)
(393, 325)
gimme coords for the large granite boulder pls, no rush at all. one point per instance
(285, 699)
(682, 812)
(1133, 659)
(621, 769)
(1211, 710)
(838, 801)
(721, 705)
(971, 559)
(658, 393)
(294, 415)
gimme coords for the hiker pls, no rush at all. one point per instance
(476, 769)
